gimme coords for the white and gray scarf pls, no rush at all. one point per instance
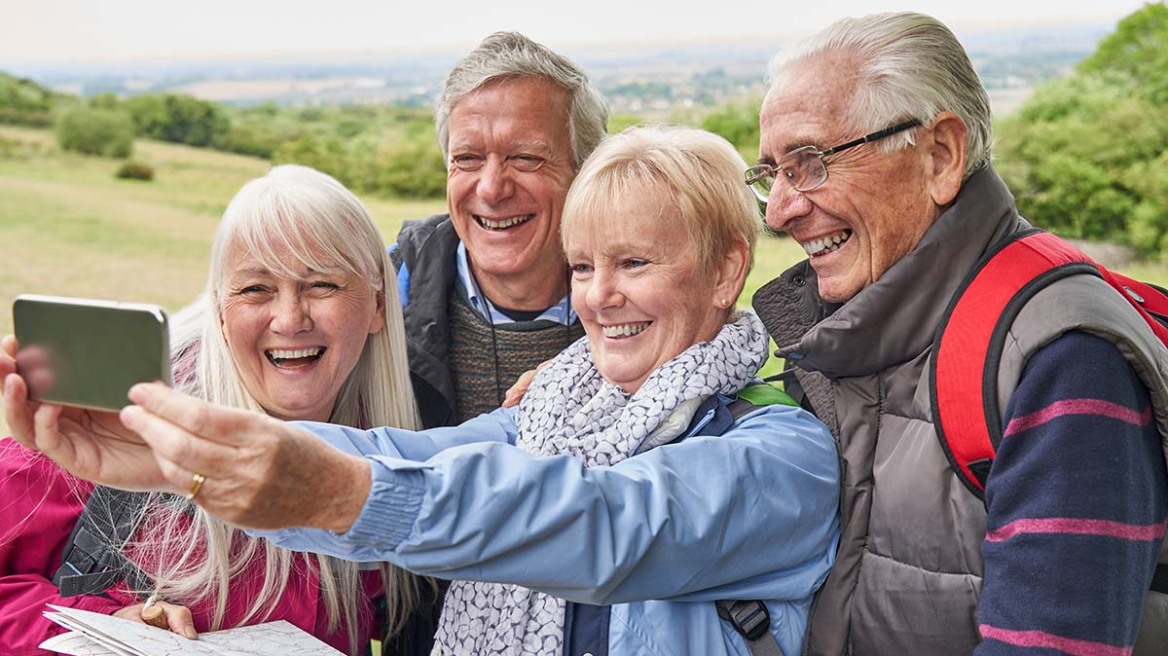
(570, 409)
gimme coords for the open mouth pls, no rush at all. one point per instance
(828, 244)
(504, 223)
(625, 330)
(294, 358)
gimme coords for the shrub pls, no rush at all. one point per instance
(105, 132)
(132, 170)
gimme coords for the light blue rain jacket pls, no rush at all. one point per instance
(749, 514)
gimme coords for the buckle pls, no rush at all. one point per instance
(750, 618)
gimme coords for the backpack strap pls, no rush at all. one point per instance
(967, 348)
(750, 618)
(92, 561)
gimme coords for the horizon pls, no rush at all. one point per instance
(61, 35)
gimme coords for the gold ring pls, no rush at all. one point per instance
(196, 485)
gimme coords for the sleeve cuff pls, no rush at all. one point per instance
(391, 511)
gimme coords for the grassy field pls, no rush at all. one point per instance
(68, 227)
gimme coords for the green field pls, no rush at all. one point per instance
(68, 227)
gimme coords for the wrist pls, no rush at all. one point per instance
(351, 486)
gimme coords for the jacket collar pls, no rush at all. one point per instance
(892, 320)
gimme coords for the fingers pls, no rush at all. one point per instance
(194, 416)
(163, 615)
(179, 619)
(18, 412)
(7, 355)
(179, 453)
(515, 392)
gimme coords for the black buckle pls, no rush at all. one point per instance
(750, 618)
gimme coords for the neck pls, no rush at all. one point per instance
(536, 289)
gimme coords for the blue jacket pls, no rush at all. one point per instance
(749, 514)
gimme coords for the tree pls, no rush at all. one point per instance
(1136, 53)
(178, 119)
(1086, 155)
(105, 132)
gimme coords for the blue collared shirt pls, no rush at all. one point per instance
(561, 313)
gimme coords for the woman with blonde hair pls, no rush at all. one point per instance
(300, 320)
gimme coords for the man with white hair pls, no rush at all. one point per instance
(875, 157)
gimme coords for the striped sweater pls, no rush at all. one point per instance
(1077, 502)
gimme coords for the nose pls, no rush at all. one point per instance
(784, 205)
(495, 184)
(291, 315)
(603, 291)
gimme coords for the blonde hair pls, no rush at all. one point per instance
(293, 209)
(696, 174)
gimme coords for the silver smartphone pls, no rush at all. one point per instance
(87, 352)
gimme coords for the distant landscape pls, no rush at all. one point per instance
(643, 79)
(1089, 160)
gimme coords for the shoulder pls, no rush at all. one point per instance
(415, 232)
(790, 431)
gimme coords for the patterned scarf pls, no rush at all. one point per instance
(570, 409)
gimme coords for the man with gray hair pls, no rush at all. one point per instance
(485, 286)
(879, 135)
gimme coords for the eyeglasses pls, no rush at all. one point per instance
(804, 167)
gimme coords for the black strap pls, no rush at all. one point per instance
(752, 621)
(1160, 579)
(92, 560)
(750, 618)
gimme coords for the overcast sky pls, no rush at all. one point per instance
(42, 31)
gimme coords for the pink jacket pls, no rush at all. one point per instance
(40, 503)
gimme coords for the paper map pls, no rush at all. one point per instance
(94, 634)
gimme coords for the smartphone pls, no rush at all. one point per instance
(87, 352)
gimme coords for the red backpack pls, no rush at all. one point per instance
(968, 347)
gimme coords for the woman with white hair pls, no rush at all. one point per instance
(633, 497)
(300, 320)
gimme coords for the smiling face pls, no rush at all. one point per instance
(874, 207)
(640, 292)
(509, 170)
(296, 340)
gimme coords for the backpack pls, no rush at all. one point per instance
(968, 345)
(92, 561)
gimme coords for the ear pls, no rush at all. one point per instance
(730, 274)
(945, 151)
(377, 321)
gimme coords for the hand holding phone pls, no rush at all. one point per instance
(88, 353)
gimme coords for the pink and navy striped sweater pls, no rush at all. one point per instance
(1077, 502)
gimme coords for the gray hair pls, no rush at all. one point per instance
(302, 211)
(909, 65)
(506, 55)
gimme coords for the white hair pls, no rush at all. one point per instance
(908, 65)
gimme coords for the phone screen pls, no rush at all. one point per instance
(86, 352)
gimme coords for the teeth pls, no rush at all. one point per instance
(826, 244)
(625, 329)
(288, 354)
(505, 223)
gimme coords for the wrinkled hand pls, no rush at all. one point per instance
(515, 392)
(90, 444)
(178, 618)
(259, 472)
